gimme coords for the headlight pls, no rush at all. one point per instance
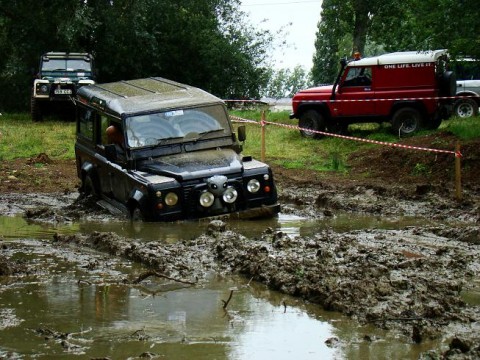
(207, 199)
(171, 199)
(253, 186)
(44, 88)
(230, 195)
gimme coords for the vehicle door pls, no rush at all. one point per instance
(354, 95)
(114, 176)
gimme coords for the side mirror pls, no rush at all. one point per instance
(242, 133)
(111, 152)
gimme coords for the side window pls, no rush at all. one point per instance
(468, 70)
(86, 119)
(111, 132)
(358, 76)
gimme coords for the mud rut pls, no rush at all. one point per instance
(409, 281)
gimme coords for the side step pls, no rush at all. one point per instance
(112, 207)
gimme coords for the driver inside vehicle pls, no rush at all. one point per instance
(115, 135)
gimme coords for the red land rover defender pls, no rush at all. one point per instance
(411, 90)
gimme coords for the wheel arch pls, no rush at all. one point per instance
(322, 108)
(471, 94)
(88, 169)
(136, 199)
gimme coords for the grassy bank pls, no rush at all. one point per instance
(287, 148)
(21, 138)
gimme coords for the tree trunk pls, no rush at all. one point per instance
(361, 25)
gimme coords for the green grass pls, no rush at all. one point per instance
(287, 148)
(22, 138)
(464, 129)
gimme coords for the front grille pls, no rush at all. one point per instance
(189, 200)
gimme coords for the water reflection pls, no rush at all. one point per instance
(109, 318)
(18, 227)
(120, 321)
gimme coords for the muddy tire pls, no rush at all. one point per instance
(434, 124)
(311, 119)
(406, 121)
(136, 214)
(336, 127)
(89, 186)
(36, 110)
(465, 108)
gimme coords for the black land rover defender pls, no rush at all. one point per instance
(162, 151)
(59, 76)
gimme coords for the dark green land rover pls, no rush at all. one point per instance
(162, 151)
(60, 75)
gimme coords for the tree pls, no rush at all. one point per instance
(285, 82)
(205, 43)
(379, 26)
(334, 24)
(449, 24)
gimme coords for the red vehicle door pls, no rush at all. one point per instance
(354, 95)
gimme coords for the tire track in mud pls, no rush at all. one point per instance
(409, 280)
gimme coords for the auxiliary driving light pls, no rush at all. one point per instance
(207, 199)
(253, 186)
(230, 195)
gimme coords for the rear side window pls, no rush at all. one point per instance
(86, 119)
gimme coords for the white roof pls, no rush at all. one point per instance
(405, 57)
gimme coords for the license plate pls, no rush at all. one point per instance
(62, 91)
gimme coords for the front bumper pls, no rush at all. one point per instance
(264, 211)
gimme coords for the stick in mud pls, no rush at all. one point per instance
(225, 303)
(157, 274)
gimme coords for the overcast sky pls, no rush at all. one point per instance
(304, 16)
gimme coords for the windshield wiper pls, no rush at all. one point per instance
(163, 140)
(202, 134)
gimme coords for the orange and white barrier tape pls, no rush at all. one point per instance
(293, 127)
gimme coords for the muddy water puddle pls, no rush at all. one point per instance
(18, 227)
(78, 303)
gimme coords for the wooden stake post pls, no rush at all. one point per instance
(263, 137)
(458, 175)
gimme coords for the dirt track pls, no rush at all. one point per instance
(409, 280)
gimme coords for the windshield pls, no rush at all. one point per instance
(180, 124)
(467, 70)
(66, 64)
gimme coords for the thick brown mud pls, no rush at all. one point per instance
(420, 281)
